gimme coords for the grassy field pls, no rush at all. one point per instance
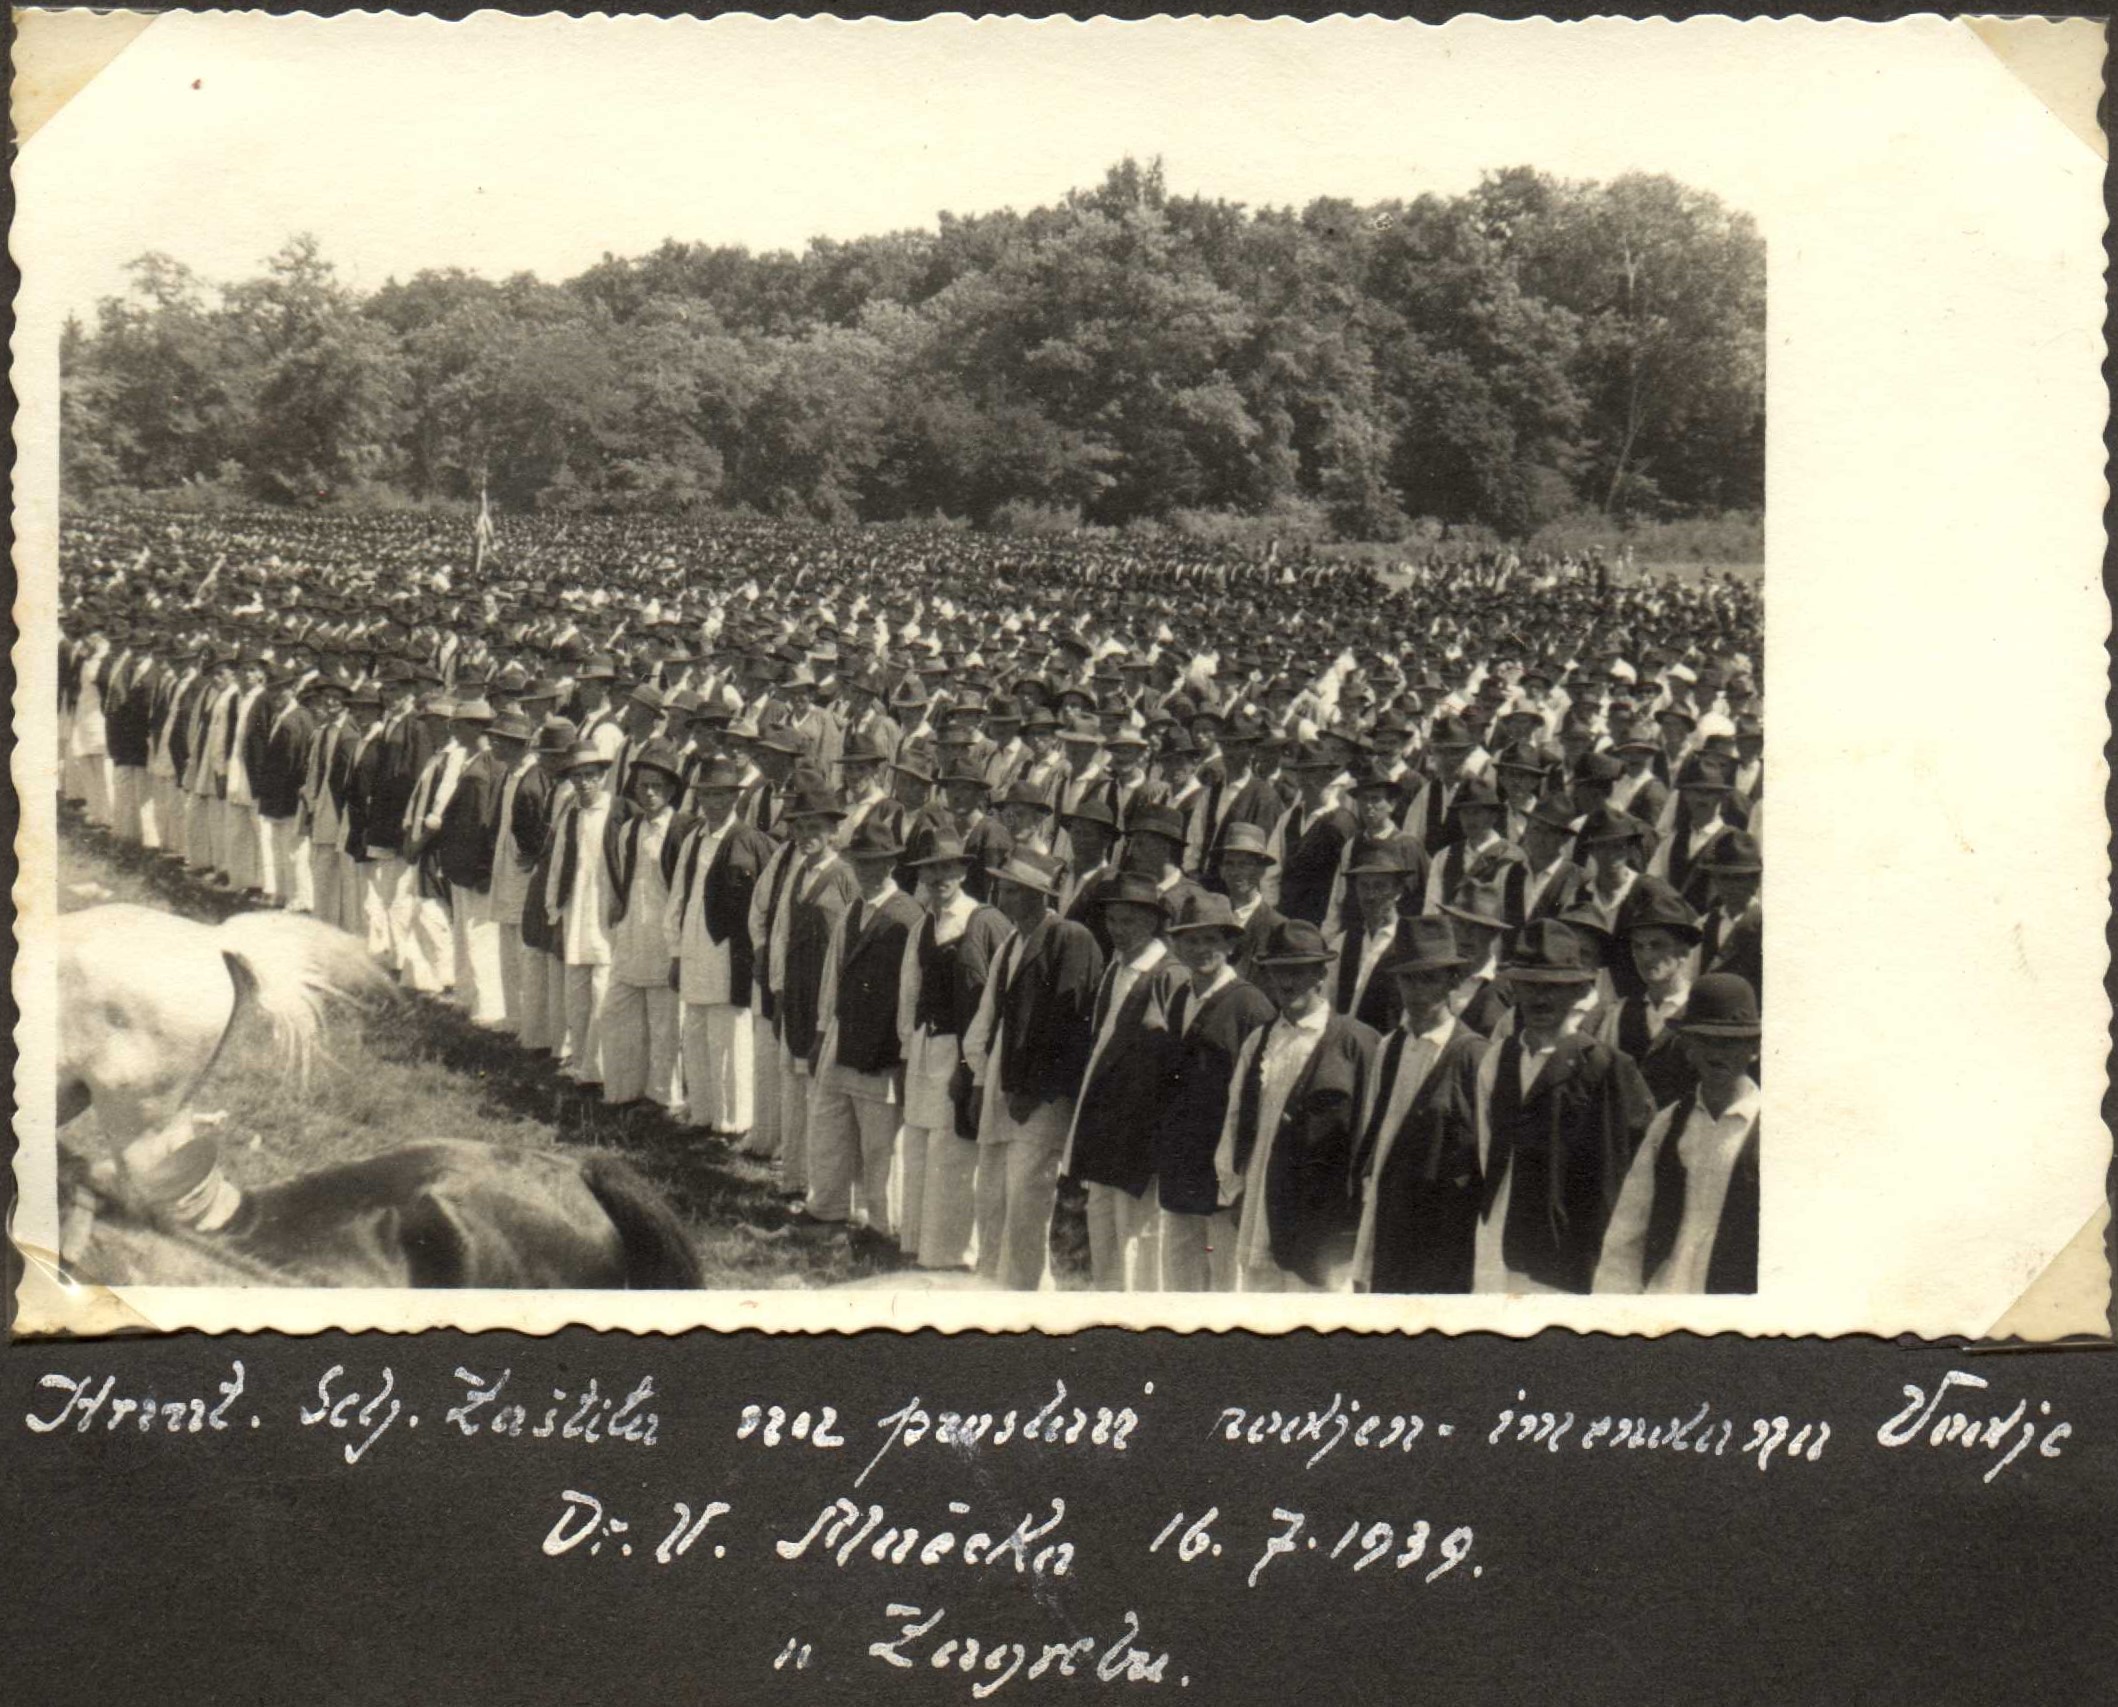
(417, 1068)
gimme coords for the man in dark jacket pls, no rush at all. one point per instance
(1028, 1049)
(1286, 1148)
(856, 1103)
(1209, 1019)
(1312, 838)
(1559, 1117)
(1108, 1146)
(1415, 1173)
(462, 852)
(278, 761)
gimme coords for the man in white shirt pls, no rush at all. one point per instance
(714, 878)
(579, 883)
(419, 920)
(640, 1010)
(1687, 1216)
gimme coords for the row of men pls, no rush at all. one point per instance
(687, 956)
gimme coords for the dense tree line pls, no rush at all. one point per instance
(1527, 350)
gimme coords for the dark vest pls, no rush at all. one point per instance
(1733, 1267)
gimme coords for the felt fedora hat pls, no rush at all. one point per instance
(1424, 944)
(1026, 868)
(1295, 942)
(662, 758)
(1251, 839)
(938, 847)
(1549, 952)
(1732, 851)
(874, 839)
(1132, 889)
(1202, 910)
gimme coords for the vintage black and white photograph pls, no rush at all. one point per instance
(885, 661)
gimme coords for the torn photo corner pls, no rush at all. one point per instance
(818, 675)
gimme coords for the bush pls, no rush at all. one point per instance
(1732, 537)
(1292, 521)
(1023, 519)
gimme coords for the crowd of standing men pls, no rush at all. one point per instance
(1332, 932)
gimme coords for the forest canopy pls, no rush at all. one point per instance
(1530, 350)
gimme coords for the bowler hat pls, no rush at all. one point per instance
(1720, 1005)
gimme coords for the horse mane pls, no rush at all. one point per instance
(290, 968)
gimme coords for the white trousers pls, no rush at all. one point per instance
(640, 1043)
(128, 788)
(169, 814)
(720, 1067)
(239, 850)
(1198, 1251)
(88, 780)
(291, 870)
(764, 1140)
(264, 836)
(539, 1022)
(419, 929)
(1017, 1185)
(555, 1006)
(514, 979)
(474, 946)
(851, 1142)
(201, 823)
(378, 883)
(586, 986)
(935, 1196)
(327, 872)
(1124, 1253)
(793, 1153)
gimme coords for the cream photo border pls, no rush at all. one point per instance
(1936, 620)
